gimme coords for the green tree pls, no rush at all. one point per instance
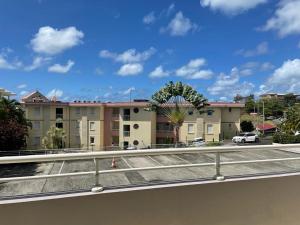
(292, 122)
(289, 100)
(174, 100)
(13, 125)
(54, 139)
(272, 107)
(247, 126)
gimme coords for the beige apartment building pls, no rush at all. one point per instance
(99, 126)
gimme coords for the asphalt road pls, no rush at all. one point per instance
(141, 178)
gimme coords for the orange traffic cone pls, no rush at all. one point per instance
(113, 163)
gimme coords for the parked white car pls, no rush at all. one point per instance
(297, 133)
(245, 137)
(198, 142)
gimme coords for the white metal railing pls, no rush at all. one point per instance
(127, 153)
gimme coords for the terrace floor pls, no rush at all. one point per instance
(83, 183)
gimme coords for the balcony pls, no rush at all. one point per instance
(126, 117)
(263, 178)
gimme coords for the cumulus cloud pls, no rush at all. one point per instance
(261, 49)
(131, 69)
(230, 85)
(37, 63)
(180, 25)
(128, 56)
(286, 19)
(193, 70)
(58, 68)
(287, 77)
(5, 64)
(54, 41)
(231, 7)
(23, 93)
(149, 18)
(159, 72)
(55, 93)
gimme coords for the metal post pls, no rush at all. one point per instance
(97, 187)
(218, 175)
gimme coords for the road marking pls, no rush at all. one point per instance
(184, 160)
(126, 162)
(61, 167)
(154, 160)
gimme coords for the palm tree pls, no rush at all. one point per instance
(54, 139)
(174, 101)
(292, 123)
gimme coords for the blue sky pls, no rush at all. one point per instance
(103, 50)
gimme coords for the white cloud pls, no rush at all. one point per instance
(21, 86)
(55, 93)
(266, 66)
(37, 63)
(286, 20)
(5, 64)
(129, 56)
(230, 85)
(149, 18)
(159, 72)
(261, 49)
(246, 72)
(231, 7)
(223, 98)
(128, 91)
(286, 78)
(193, 70)
(180, 25)
(57, 68)
(130, 69)
(53, 41)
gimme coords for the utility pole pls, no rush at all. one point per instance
(263, 117)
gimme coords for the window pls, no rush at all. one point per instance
(59, 125)
(229, 109)
(37, 111)
(190, 128)
(92, 111)
(126, 113)
(59, 113)
(115, 112)
(77, 110)
(210, 112)
(92, 126)
(126, 130)
(77, 140)
(115, 125)
(136, 126)
(136, 110)
(135, 142)
(229, 125)
(92, 140)
(191, 112)
(210, 129)
(36, 141)
(77, 124)
(36, 125)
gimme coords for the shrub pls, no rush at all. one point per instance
(247, 126)
(284, 138)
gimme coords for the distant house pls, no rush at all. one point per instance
(277, 96)
(5, 93)
(266, 128)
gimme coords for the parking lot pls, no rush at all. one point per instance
(142, 177)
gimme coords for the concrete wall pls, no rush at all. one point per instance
(268, 201)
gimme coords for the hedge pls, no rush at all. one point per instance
(283, 138)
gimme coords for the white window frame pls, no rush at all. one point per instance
(210, 129)
(190, 128)
(92, 127)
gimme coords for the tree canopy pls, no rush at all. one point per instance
(54, 139)
(13, 125)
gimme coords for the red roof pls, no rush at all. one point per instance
(265, 126)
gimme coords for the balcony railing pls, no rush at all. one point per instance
(126, 117)
(126, 133)
(96, 156)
